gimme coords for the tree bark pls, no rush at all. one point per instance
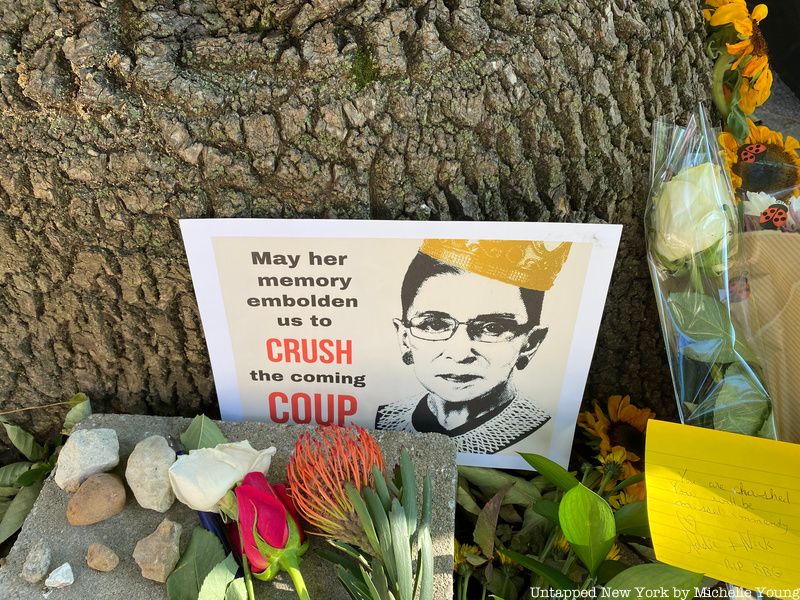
(121, 116)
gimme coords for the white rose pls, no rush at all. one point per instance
(202, 477)
(689, 213)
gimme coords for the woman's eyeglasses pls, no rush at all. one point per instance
(437, 328)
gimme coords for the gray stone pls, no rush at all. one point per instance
(101, 558)
(433, 454)
(37, 563)
(61, 577)
(159, 552)
(87, 451)
(147, 473)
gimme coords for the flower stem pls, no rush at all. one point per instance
(721, 67)
(248, 579)
(293, 570)
(24, 408)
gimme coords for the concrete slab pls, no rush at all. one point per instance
(432, 453)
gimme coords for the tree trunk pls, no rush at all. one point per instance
(121, 116)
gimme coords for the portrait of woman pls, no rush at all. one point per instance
(469, 321)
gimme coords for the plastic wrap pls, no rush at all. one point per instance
(692, 224)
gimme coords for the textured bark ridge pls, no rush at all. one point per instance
(119, 117)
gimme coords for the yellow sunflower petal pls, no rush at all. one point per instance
(759, 13)
(791, 144)
(614, 403)
(729, 144)
(727, 14)
(747, 97)
(739, 47)
(755, 65)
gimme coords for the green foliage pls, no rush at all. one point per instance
(678, 582)
(631, 519)
(487, 524)
(520, 491)
(202, 554)
(81, 408)
(364, 69)
(23, 441)
(215, 585)
(237, 590)
(397, 536)
(21, 482)
(553, 576)
(202, 433)
(742, 405)
(553, 472)
(17, 510)
(588, 525)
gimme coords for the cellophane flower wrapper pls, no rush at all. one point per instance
(768, 285)
(693, 237)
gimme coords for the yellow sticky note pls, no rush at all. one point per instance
(726, 505)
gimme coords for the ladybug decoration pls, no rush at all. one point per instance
(774, 217)
(749, 153)
(739, 289)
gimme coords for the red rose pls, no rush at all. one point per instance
(271, 536)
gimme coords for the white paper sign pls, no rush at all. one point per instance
(481, 331)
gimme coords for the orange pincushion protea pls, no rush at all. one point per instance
(322, 465)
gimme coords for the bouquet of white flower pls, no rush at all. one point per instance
(693, 233)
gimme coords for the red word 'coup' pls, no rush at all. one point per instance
(302, 408)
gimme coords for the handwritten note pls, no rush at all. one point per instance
(726, 505)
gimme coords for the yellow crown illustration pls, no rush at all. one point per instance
(525, 264)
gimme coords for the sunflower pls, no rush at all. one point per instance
(614, 464)
(624, 426)
(624, 497)
(765, 162)
(738, 28)
(613, 554)
(734, 12)
(461, 551)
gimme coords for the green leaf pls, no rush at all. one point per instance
(678, 582)
(34, 475)
(17, 510)
(364, 517)
(503, 584)
(465, 499)
(23, 441)
(610, 569)
(486, 526)
(202, 554)
(402, 552)
(355, 587)
(742, 404)
(216, 582)
(491, 481)
(8, 491)
(381, 488)
(548, 509)
(81, 408)
(708, 334)
(4, 504)
(10, 473)
(425, 562)
(409, 499)
(588, 525)
(202, 433)
(553, 472)
(379, 579)
(237, 590)
(382, 529)
(628, 481)
(631, 519)
(553, 576)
